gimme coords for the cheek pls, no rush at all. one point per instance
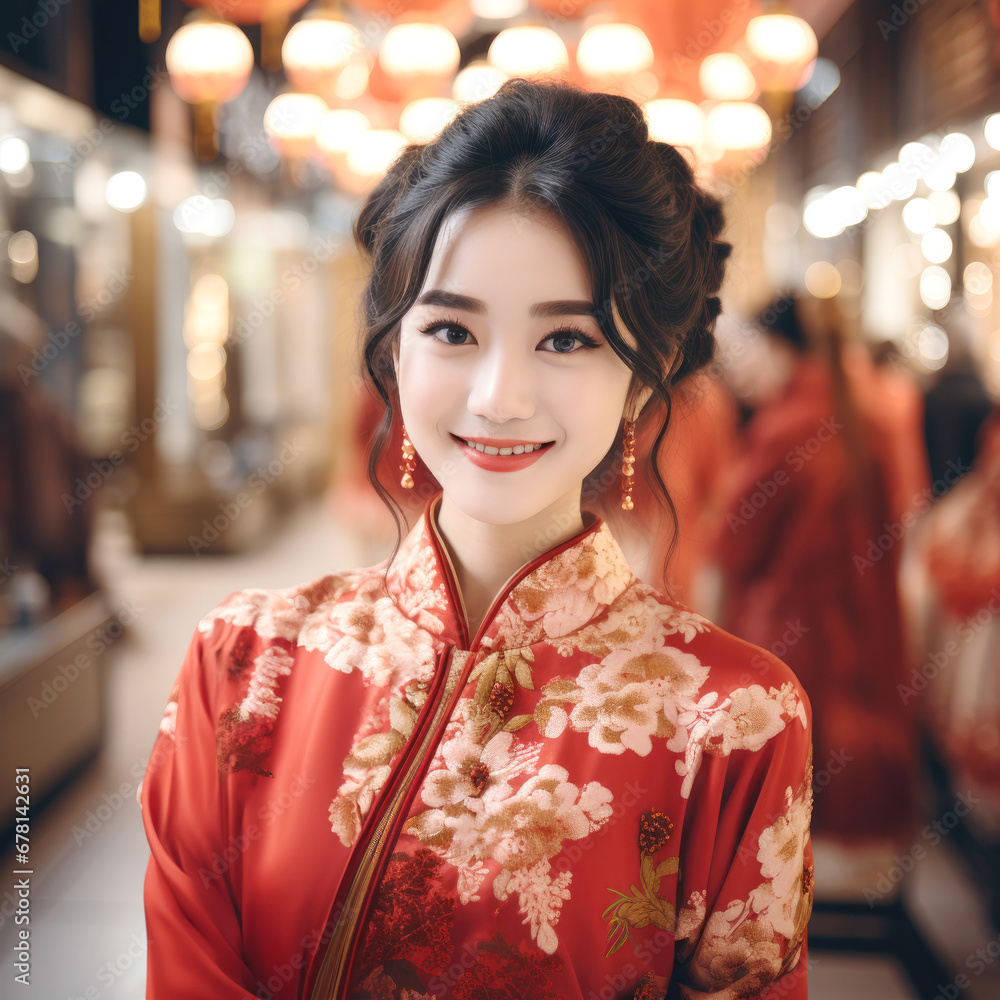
(596, 400)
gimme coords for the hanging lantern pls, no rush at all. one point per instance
(783, 49)
(338, 130)
(528, 50)
(369, 157)
(724, 76)
(271, 15)
(421, 120)
(209, 63)
(682, 34)
(681, 123)
(617, 57)
(477, 81)
(418, 59)
(291, 122)
(737, 135)
(317, 50)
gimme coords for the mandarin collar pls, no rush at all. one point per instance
(549, 597)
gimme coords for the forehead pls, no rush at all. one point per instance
(502, 252)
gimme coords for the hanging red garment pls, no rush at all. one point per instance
(812, 576)
(598, 794)
(893, 407)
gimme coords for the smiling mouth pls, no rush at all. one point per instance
(503, 448)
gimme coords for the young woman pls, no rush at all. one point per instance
(495, 764)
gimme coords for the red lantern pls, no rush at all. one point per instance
(249, 11)
(271, 15)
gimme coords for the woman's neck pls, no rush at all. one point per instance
(485, 556)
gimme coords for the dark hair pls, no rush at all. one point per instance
(647, 232)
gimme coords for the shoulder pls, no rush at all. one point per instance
(278, 614)
(719, 674)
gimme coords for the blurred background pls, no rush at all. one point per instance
(181, 413)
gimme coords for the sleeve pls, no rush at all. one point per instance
(745, 884)
(192, 919)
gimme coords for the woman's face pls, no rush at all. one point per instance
(501, 350)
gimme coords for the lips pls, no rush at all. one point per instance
(501, 454)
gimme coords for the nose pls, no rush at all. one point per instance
(501, 387)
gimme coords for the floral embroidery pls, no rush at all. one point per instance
(411, 917)
(520, 830)
(168, 724)
(645, 906)
(368, 765)
(744, 721)
(495, 678)
(505, 972)
(564, 593)
(625, 700)
(612, 663)
(273, 614)
(375, 638)
(691, 915)
(245, 732)
(647, 989)
(412, 581)
(749, 943)
(638, 616)
(408, 941)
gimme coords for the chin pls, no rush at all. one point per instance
(505, 505)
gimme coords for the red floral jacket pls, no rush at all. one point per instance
(600, 795)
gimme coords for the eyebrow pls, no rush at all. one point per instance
(454, 300)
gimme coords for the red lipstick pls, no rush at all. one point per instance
(501, 463)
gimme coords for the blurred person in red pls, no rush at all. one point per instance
(959, 550)
(810, 570)
(890, 400)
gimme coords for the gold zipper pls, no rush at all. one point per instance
(331, 979)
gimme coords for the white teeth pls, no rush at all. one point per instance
(517, 449)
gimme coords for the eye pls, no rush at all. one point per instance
(565, 341)
(449, 332)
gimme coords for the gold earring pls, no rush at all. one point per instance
(628, 465)
(408, 464)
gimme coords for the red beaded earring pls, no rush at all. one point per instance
(628, 465)
(408, 464)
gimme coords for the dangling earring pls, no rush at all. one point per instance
(628, 465)
(408, 463)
